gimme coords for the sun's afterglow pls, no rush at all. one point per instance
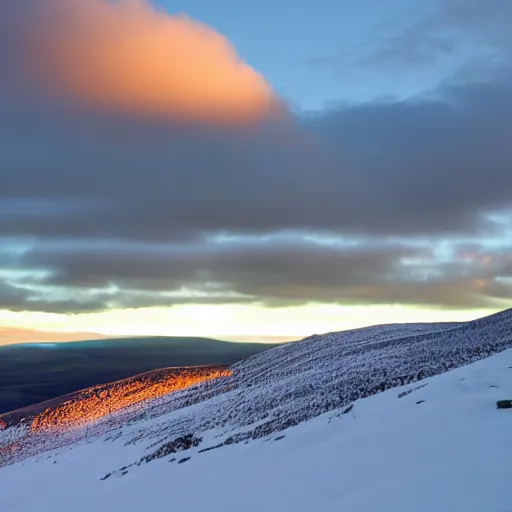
(232, 321)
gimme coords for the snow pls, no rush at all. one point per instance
(388, 454)
(290, 384)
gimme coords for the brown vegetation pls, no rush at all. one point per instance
(96, 403)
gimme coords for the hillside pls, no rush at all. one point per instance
(33, 373)
(300, 427)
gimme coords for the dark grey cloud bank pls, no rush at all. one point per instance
(274, 274)
(280, 273)
(120, 211)
(420, 167)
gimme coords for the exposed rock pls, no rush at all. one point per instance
(179, 444)
(348, 409)
(211, 448)
(504, 404)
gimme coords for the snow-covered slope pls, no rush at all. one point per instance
(440, 445)
(225, 424)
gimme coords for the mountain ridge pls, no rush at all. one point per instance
(439, 444)
(30, 374)
(292, 383)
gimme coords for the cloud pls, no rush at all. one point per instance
(425, 167)
(22, 298)
(274, 273)
(450, 29)
(469, 37)
(130, 57)
(121, 204)
(418, 45)
(430, 165)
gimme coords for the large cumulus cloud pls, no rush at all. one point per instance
(127, 56)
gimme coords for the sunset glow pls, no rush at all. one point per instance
(231, 322)
(130, 57)
(96, 403)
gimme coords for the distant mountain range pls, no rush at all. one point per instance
(35, 372)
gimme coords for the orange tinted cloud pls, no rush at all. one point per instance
(128, 56)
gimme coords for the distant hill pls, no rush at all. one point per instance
(14, 335)
(32, 373)
(380, 419)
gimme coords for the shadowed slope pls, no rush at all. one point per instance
(30, 374)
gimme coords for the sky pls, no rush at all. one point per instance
(255, 170)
